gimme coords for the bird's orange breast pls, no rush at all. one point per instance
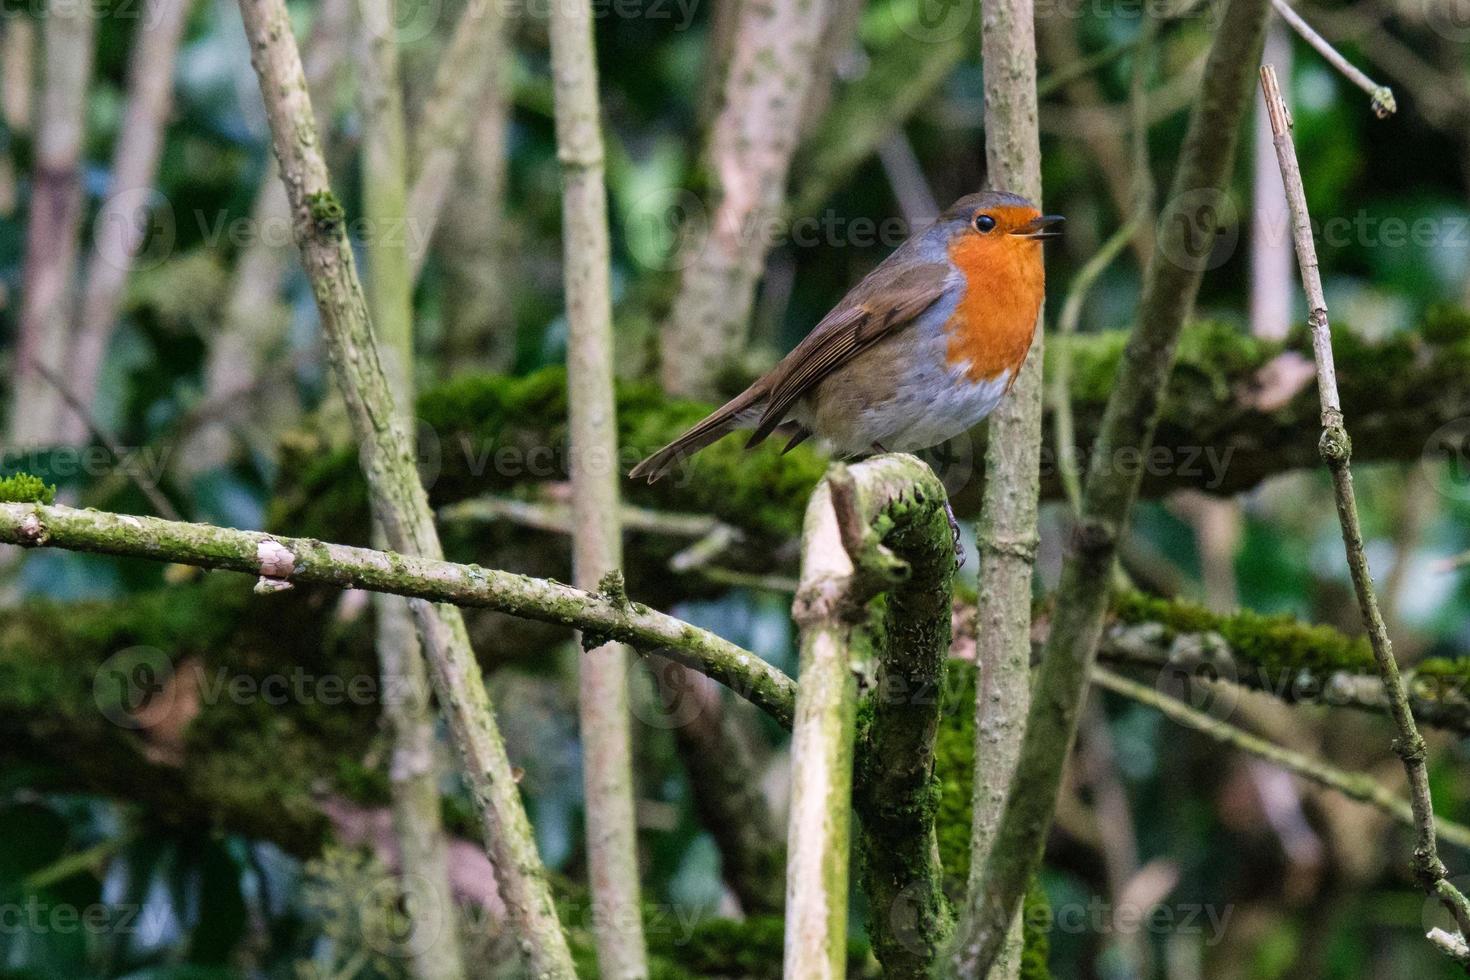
(993, 323)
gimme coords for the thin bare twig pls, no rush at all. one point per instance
(1336, 450)
(1353, 785)
(161, 504)
(1382, 96)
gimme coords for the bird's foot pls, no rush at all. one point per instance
(954, 530)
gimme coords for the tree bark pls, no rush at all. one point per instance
(123, 223)
(612, 838)
(749, 154)
(1006, 535)
(53, 224)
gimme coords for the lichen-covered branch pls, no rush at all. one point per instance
(1336, 449)
(400, 503)
(283, 560)
(1130, 419)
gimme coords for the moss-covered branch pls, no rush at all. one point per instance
(488, 433)
(896, 792)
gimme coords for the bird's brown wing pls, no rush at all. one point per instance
(887, 300)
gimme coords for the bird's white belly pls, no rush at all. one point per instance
(928, 414)
(925, 407)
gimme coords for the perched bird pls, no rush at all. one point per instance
(920, 350)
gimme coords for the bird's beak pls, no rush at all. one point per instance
(1046, 226)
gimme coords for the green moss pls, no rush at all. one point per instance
(1036, 939)
(326, 211)
(1277, 644)
(954, 769)
(749, 949)
(23, 488)
(495, 433)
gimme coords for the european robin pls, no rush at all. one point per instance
(920, 350)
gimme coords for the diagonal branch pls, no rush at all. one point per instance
(400, 503)
(749, 155)
(1356, 786)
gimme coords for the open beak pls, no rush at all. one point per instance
(1046, 226)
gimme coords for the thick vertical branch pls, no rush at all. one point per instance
(413, 777)
(123, 223)
(749, 154)
(845, 564)
(821, 747)
(1180, 252)
(53, 223)
(472, 247)
(1336, 449)
(385, 182)
(399, 501)
(910, 919)
(1006, 535)
(612, 840)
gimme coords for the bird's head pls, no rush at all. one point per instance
(994, 233)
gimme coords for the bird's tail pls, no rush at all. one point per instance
(743, 409)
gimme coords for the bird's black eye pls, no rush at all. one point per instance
(984, 223)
